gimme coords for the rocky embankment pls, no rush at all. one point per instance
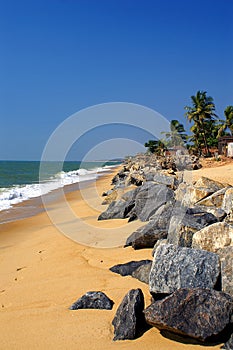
(189, 227)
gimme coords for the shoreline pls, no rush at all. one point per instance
(43, 273)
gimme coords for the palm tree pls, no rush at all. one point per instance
(155, 146)
(176, 136)
(200, 113)
(228, 122)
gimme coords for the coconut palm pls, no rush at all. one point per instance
(200, 113)
(177, 136)
(228, 122)
(154, 146)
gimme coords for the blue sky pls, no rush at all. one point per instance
(60, 56)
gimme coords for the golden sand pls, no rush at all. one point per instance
(42, 272)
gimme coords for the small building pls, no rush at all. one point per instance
(223, 144)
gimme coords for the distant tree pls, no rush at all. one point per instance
(155, 146)
(176, 136)
(201, 113)
(226, 124)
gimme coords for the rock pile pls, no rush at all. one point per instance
(189, 227)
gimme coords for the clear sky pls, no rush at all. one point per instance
(60, 56)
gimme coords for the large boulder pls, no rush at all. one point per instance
(168, 180)
(149, 198)
(184, 223)
(189, 195)
(129, 318)
(215, 199)
(213, 237)
(212, 185)
(226, 259)
(93, 300)
(117, 210)
(197, 313)
(128, 268)
(142, 272)
(157, 228)
(178, 267)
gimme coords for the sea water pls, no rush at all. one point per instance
(22, 180)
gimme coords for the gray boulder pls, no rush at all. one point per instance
(157, 228)
(226, 259)
(142, 273)
(168, 180)
(177, 267)
(128, 268)
(93, 300)
(117, 210)
(197, 313)
(149, 198)
(183, 226)
(129, 318)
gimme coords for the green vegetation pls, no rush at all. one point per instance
(206, 128)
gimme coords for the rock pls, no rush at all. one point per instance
(219, 213)
(93, 300)
(107, 193)
(130, 195)
(157, 244)
(129, 318)
(110, 197)
(135, 179)
(149, 198)
(128, 268)
(142, 273)
(226, 259)
(117, 210)
(214, 199)
(183, 226)
(212, 185)
(197, 313)
(229, 344)
(227, 203)
(213, 237)
(157, 228)
(163, 179)
(177, 267)
(189, 194)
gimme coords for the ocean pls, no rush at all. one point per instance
(22, 180)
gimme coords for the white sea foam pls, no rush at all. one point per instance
(17, 194)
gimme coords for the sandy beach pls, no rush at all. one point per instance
(43, 272)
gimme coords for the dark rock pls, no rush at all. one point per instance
(183, 226)
(219, 213)
(149, 198)
(197, 313)
(129, 318)
(226, 259)
(130, 195)
(93, 300)
(157, 228)
(128, 268)
(117, 210)
(142, 273)
(177, 267)
(229, 344)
